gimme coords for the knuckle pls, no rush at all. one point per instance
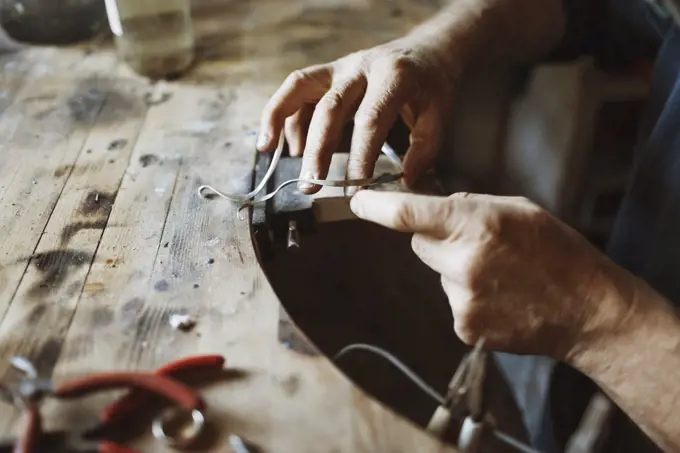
(402, 64)
(297, 78)
(358, 167)
(403, 216)
(331, 103)
(369, 117)
(393, 62)
(444, 211)
(495, 225)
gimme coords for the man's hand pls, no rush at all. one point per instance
(405, 77)
(513, 273)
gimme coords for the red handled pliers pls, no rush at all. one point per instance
(105, 436)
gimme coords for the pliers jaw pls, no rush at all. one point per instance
(464, 402)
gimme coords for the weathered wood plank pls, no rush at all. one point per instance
(45, 129)
(51, 287)
(163, 250)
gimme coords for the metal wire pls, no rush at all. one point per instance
(417, 380)
(250, 198)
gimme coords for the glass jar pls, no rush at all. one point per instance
(154, 37)
(52, 22)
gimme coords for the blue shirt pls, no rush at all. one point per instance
(646, 235)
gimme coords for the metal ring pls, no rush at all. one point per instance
(197, 424)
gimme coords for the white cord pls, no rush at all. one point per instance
(420, 382)
(250, 198)
(435, 395)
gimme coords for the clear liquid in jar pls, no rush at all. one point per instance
(154, 37)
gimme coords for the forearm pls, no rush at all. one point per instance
(637, 366)
(490, 31)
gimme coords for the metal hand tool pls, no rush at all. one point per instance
(106, 435)
(464, 401)
(463, 407)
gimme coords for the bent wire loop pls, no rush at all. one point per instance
(250, 198)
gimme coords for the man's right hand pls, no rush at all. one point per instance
(373, 87)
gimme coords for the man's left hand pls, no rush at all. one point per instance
(512, 272)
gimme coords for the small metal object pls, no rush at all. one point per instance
(464, 400)
(25, 365)
(293, 235)
(238, 445)
(470, 437)
(183, 440)
(31, 388)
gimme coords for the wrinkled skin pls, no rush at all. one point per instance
(512, 272)
(372, 87)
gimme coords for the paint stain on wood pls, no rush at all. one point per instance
(36, 314)
(77, 347)
(85, 103)
(101, 317)
(55, 266)
(97, 202)
(131, 309)
(71, 230)
(98, 98)
(117, 144)
(148, 159)
(161, 285)
(94, 287)
(46, 356)
(74, 288)
(62, 170)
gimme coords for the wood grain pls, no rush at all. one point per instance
(105, 237)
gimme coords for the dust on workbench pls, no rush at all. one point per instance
(105, 239)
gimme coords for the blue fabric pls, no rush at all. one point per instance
(646, 235)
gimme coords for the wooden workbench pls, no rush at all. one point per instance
(104, 237)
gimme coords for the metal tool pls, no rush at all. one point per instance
(106, 434)
(464, 401)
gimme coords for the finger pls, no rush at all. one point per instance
(305, 86)
(425, 141)
(387, 91)
(429, 215)
(296, 127)
(325, 130)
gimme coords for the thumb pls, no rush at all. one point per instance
(407, 212)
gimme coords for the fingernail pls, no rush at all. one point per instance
(262, 141)
(355, 205)
(351, 191)
(305, 185)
